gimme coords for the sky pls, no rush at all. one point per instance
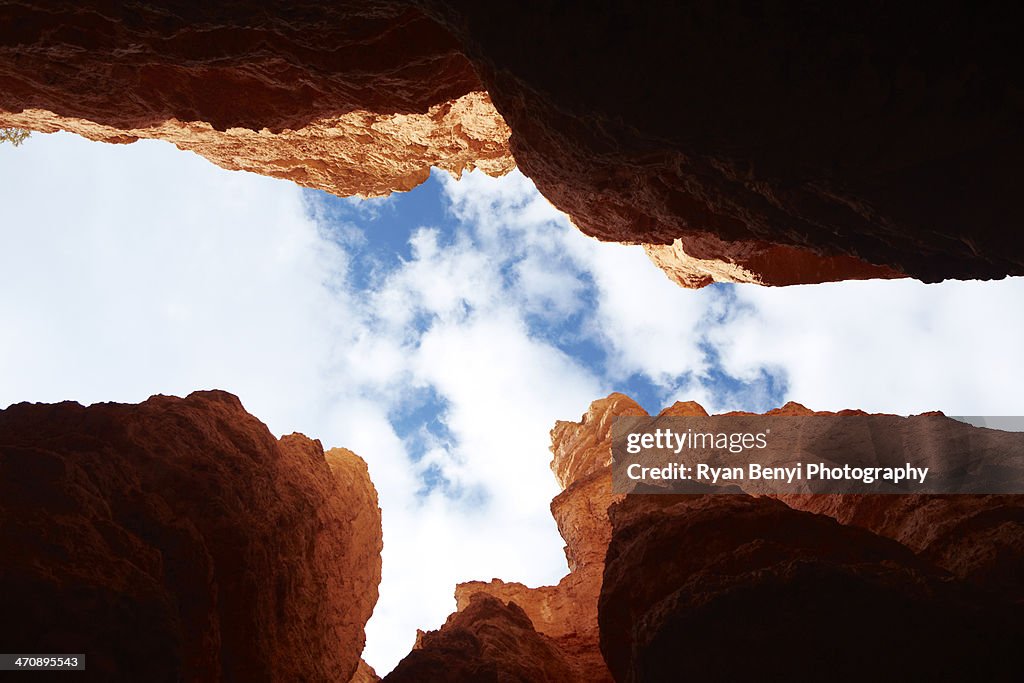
(439, 334)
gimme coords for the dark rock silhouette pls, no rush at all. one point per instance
(178, 540)
(719, 587)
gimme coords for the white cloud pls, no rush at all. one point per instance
(142, 270)
(897, 346)
(647, 327)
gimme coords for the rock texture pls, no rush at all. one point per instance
(178, 540)
(977, 538)
(364, 674)
(359, 153)
(487, 640)
(752, 142)
(717, 587)
(756, 263)
(354, 98)
(727, 587)
(854, 135)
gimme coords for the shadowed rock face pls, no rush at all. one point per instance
(977, 538)
(178, 539)
(849, 134)
(750, 143)
(722, 587)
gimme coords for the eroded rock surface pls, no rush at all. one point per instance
(178, 540)
(977, 538)
(487, 640)
(751, 143)
(732, 571)
(353, 98)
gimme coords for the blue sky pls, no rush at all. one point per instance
(377, 234)
(439, 334)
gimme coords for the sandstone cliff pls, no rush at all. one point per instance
(748, 143)
(179, 540)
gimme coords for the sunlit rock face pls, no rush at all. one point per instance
(353, 98)
(177, 539)
(774, 145)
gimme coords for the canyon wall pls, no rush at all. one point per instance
(754, 143)
(722, 586)
(810, 594)
(177, 539)
(486, 640)
(730, 587)
(353, 98)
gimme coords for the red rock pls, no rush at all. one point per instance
(178, 539)
(979, 538)
(354, 98)
(488, 640)
(364, 674)
(740, 142)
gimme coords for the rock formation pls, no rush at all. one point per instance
(729, 587)
(179, 540)
(358, 153)
(487, 640)
(752, 143)
(364, 674)
(692, 579)
(355, 99)
(977, 538)
(567, 612)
